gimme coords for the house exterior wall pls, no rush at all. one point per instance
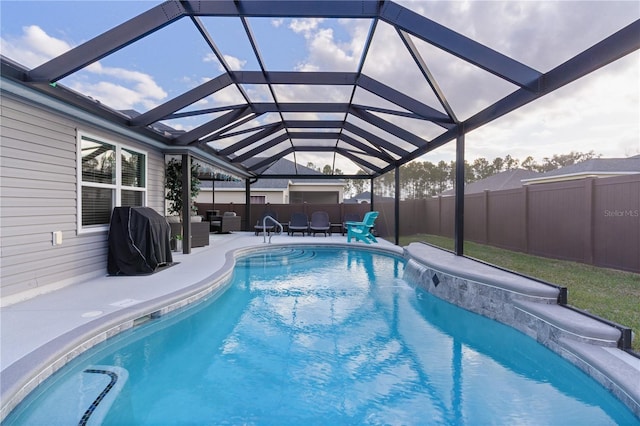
(328, 189)
(326, 194)
(226, 196)
(38, 195)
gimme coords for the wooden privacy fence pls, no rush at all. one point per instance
(594, 221)
(283, 211)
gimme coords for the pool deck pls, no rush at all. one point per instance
(41, 334)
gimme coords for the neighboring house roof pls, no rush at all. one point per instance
(366, 195)
(596, 167)
(280, 167)
(510, 179)
(359, 198)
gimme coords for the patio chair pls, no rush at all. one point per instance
(268, 227)
(349, 217)
(230, 222)
(299, 223)
(362, 230)
(320, 223)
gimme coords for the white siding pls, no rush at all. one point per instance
(38, 196)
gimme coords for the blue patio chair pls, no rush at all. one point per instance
(350, 217)
(362, 230)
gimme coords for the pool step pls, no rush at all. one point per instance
(278, 257)
(544, 319)
(84, 398)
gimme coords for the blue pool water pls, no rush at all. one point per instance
(321, 336)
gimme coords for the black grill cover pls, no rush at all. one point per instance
(138, 241)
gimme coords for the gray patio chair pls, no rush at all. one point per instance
(269, 225)
(299, 223)
(320, 223)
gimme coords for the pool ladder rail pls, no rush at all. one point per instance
(264, 227)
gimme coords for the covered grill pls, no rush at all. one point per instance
(139, 241)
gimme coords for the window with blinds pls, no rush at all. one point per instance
(111, 175)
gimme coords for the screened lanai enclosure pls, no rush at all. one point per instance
(365, 87)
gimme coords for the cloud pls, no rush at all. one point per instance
(210, 57)
(113, 95)
(34, 47)
(581, 117)
(144, 83)
(234, 63)
(305, 26)
(324, 52)
(541, 34)
(124, 89)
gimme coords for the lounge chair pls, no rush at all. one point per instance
(349, 217)
(320, 223)
(362, 230)
(268, 227)
(299, 223)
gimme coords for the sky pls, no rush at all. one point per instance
(600, 112)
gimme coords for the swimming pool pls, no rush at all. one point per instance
(321, 336)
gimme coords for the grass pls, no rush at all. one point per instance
(608, 293)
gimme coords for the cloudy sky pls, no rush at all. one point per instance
(600, 112)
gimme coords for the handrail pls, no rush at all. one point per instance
(264, 228)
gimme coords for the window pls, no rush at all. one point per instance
(258, 199)
(111, 175)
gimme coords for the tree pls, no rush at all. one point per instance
(173, 185)
(441, 176)
(529, 164)
(311, 165)
(563, 160)
(497, 165)
(356, 186)
(510, 163)
(420, 179)
(481, 168)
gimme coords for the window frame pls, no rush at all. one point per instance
(262, 198)
(116, 188)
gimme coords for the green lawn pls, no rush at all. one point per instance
(610, 294)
